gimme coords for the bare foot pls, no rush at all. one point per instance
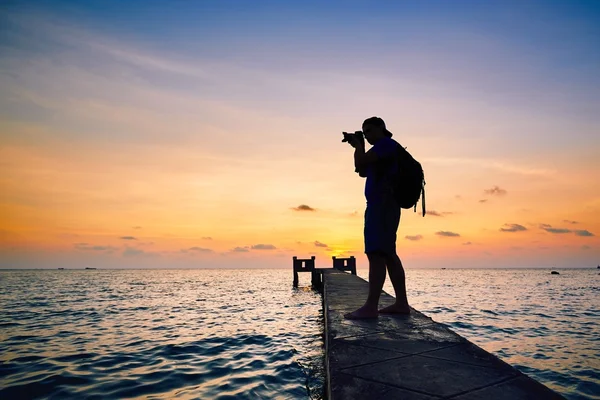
(396, 309)
(364, 312)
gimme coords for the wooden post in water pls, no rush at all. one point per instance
(345, 264)
(309, 266)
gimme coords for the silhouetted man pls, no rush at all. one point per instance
(382, 217)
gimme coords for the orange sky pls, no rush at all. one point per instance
(118, 153)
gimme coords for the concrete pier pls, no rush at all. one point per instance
(308, 265)
(408, 357)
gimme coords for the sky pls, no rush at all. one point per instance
(154, 134)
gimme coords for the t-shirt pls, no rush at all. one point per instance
(379, 173)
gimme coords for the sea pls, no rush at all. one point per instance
(248, 334)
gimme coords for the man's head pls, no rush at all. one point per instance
(374, 130)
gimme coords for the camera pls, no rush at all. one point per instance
(349, 136)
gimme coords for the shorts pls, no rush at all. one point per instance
(381, 224)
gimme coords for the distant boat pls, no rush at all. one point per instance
(443, 268)
(61, 268)
(598, 267)
(89, 268)
(554, 273)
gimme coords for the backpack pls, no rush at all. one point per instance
(409, 183)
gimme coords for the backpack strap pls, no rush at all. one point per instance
(423, 198)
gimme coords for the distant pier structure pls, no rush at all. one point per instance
(305, 265)
(345, 264)
(308, 265)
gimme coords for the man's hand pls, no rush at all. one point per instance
(357, 141)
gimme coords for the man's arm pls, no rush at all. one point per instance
(362, 159)
(361, 172)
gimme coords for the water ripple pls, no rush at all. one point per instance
(159, 334)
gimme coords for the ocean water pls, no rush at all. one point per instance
(203, 334)
(236, 334)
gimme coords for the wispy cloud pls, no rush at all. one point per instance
(303, 207)
(495, 191)
(483, 201)
(200, 249)
(577, 232)
(413, 237)
(550, 229)
(133, 252)
(89, 247)
(206, 238)
(467, 243)
(438, 214)
(513, 228)
(128, 238)
(240, 250)
(447, 234)
(570, 222)
(319, 244)
(263, 247)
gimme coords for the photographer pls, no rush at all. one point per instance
(382, 216)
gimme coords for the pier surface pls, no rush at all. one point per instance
(408, 357)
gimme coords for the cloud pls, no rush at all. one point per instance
(570, 222)
(585, 247)
(583, 232)
(133, 252)
(550, 229)
(557, 230)
(137, 227)
(240, 250)
(447, 234)
(200, 249)
(88, 247)
(438, 214)
(206, 238)
(128, 238)
(495, 191)
(263, 247)
(319, 244)
(303, 207)
(414, 238)
(578, 232)
(467, 243)
(513, 228)
(483, 201)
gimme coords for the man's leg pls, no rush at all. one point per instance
(376, 280)
(398, 278)
(394, 265)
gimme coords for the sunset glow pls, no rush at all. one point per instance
(210, 136)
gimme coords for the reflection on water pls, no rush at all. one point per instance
(547, 326)
(171, 333)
